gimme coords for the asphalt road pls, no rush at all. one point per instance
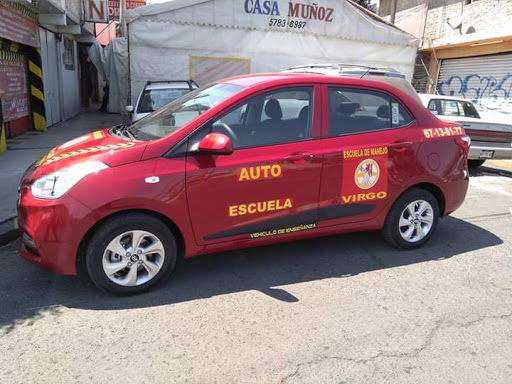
(341, 309)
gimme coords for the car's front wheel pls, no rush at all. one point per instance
(130, 253)
(412, 219)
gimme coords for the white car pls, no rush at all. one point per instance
(385, 75)
(489, 140)
(156, 94)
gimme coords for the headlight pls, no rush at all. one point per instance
(55, 184)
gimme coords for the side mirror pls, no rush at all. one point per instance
(129, 108)
(216, 144)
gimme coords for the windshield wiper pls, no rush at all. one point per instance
(122, 130)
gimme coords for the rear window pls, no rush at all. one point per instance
(446, 107)
(153, 99)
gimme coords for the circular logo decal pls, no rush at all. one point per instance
(367, 174)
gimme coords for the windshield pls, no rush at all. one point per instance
(181, 111)
(153, 99)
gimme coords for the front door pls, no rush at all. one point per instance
(370, 152)
(269, 185)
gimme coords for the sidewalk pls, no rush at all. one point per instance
(23, 150)
(504, 166)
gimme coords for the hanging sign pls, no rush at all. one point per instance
(113, 7)
(13, 86)
(19, 23)
(96, 11)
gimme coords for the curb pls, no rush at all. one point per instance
(8, 231)
(498, 171)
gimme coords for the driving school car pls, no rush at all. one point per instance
(247, 161)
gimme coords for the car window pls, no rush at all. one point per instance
(153, 99)
(450, 108)
(357, 111)
(276, 117)
(445, 107)
(182, 111)
(469, 109)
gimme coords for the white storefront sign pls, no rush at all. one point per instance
(96, 11)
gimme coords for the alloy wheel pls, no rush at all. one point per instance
(416, 221)
(133, 258)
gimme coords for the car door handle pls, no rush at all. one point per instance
(400, 146)
(299, 158)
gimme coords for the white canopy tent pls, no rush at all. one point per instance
(205, 40)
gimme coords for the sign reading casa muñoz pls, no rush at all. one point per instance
(291, 15)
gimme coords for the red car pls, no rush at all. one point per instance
(248, 161)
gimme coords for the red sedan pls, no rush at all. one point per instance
(247, 161)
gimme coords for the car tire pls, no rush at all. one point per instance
(475, 163)
(149, 249)
(412, 219)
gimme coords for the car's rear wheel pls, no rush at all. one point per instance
(475, 163)
(130, 253)
(412, 219)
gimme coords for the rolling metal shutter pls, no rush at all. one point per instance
(486, 80)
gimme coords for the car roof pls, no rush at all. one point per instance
(167, 84)
(260, 78)
(346, 70)
(428, 97)
(289, 77)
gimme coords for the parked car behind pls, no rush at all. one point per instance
(489, 140)
(386, 75)
(247, 161)
(156, 94)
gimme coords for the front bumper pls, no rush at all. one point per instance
(479, 150)
(51, 231)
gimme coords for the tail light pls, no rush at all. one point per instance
(464, 142)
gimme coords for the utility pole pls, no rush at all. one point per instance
(122, 11)
(393, 11)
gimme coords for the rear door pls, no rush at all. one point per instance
(370, 150)
(269, 185)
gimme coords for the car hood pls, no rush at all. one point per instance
(95, 146)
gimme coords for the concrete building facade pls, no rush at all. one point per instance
(466, 49)
(40, 65)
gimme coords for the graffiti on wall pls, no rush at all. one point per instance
(488, 93)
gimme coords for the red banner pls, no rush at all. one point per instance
(19, 23)
(113, 7)
(13, 86)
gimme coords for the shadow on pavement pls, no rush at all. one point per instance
(489, 171)
(29, 293)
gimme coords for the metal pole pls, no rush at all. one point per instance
(393, 12)
(122, 11)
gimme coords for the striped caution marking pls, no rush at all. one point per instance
(35, 80)
(9, 46)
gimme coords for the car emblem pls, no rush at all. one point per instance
(367, 174)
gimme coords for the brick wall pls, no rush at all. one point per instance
(483, 18)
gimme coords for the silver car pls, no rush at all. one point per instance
(156, 94)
